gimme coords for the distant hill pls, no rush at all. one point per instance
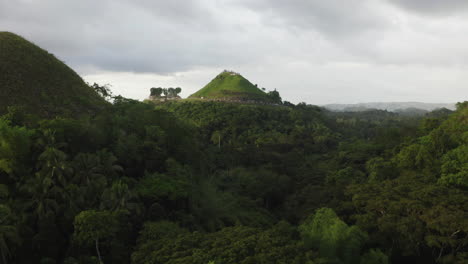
(390, 106)
(412, 111)
(36, 81)
(231, 86)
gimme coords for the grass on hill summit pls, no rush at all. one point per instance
(230, 85)
(36, 81)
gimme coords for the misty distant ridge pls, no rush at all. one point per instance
(389, 106)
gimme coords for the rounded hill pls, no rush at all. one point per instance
(36, 81)
(231, 86)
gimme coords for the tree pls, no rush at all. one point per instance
(8, 232)
(8, 236)
(43, 194)
(53, 164)
(89, 178)
(374, 256)
(91, 226)
(334, 239)
(166, 243)
(274, 96)
(177, 91)
(379, 169)
(216, 138)
(156, 92)
(455, 167)
(117, 197)
(411, 214)
(15, 144)
(103, 90)
(170, 92)
(345, 176)
(167, 92)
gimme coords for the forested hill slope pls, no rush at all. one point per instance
(231, 86)
(35, 80)
(416, 200)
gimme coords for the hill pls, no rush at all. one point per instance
(389, 106)
(411, 111)
(35, 80)
(231, 86)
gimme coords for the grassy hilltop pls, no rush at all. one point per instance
(231, 86)
(35, 80)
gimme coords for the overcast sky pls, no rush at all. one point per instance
(316, 51)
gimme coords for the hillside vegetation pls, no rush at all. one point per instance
(231, 86)
(210, 182)
(40, 84)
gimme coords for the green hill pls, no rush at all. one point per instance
(231, 86)
(35, 80)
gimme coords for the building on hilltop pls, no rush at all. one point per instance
(232, 73)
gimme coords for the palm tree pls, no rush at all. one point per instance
(43, 196)
(108, 164)
(118, 198)
(46, 189)
(92, 172)
(89, 179)
(8, 233)
(86, 167)
(53, 164)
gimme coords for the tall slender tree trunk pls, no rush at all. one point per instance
(97, 250)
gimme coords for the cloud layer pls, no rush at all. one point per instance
(311, 50)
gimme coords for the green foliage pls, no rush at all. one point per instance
(455, 167)
(156, 91)
(345, 176)
(275, 97)
(334, 239)
(232, 86)
(159, 230)
(262, 185)
(374, 256)
(160, 185)
(32, 78)
(9, 234)
(411, 214)
(93, 225)
(380, 169)
(442, 152)
(118, 198)
(230, 245)
(15, 146)
(103, 90)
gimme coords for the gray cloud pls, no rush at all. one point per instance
(292, 45)
(433, 7)
(124, 35)
(332, 17)
(178, 35)
(374, 32)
